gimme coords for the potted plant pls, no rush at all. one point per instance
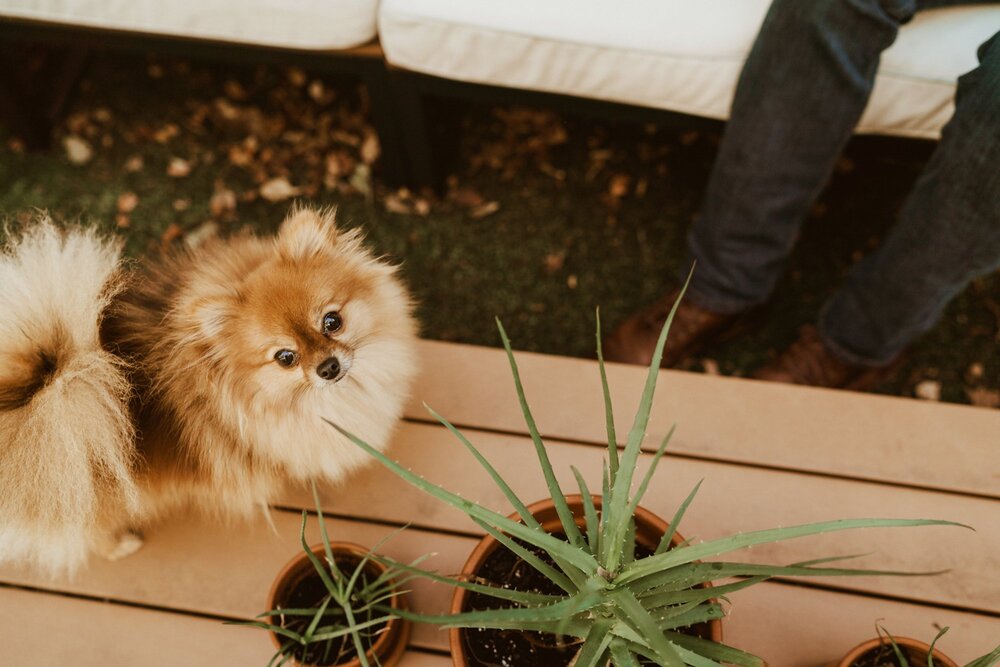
(335, 604)
(606, 599)
(889, 651)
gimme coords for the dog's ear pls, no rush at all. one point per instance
(210, 314)
(307, 232)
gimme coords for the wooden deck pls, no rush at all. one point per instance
(770, 455)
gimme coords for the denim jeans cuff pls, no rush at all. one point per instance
(842, 353)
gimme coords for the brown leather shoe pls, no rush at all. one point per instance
(692, 330)
(808, 361)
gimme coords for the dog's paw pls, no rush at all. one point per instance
(126, 545)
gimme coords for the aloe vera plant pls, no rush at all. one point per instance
(348, 619)
(988, 660)
(621, 609)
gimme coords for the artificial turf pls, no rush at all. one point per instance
(547, 216)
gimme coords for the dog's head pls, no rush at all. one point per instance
(311, 311)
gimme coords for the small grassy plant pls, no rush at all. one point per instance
(350, 615)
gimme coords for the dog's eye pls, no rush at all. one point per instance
(286, 358)
(332, 322)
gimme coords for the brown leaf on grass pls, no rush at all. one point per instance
(485, 209)
(554, 261)
(984, 398)
(201, 233)
(181, 205)
(975, 372)
(619, 185)
(296, 76)
(122, 221)
(421, 206)
(235, 90)
(78, 150)
(278, 189)
(171, 234)
(572, 281)
(370, 148)
(320, 93)
(127, 201)
(178, 167)
(166, 133)
(223, 202)
(465, 197)
(134, 163)
(929, 390)
(394, 203)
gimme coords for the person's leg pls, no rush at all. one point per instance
(948, 233)
(801, 93)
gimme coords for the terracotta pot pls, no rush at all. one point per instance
(915, 652)
(649, 529)
(390, 645)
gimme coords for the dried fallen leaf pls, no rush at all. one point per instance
(127, 201)
(178, 167)
(554, 261)
(223, 202)
(172, 233)
(710, 366)
(984, 398)
(370, 149)
(201, 233)
(166, 133)
(181, 204)
(134, 163)
(483, 210)
(422, 206)
(929, 390)
(394, 203)
(235, 90)
(297, 77)
(465, 197)
(571, 281)
(122, 221)
(78, 150)
(975, 371)
(278, 189)
(619, 185)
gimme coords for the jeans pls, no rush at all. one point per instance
(800, 95)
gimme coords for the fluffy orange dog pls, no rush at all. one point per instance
(203, 380)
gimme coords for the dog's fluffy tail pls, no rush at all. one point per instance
(67, 445)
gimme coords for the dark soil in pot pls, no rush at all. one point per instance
(309, 592)
(514, 648)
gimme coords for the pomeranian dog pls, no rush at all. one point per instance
(201, 380)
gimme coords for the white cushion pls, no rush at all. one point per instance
(681, 55)
(296, 24)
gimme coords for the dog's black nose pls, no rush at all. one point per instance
(329, 369)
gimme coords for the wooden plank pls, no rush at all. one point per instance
(733, 499)
(862, 436)
(790, 626)
(39, 630)
(203, 567)
(224, 571)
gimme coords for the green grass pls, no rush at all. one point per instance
(555, 249)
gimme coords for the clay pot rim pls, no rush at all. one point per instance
(488, 543)
(903, 642)
(395, 627)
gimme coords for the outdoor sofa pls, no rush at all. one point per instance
(645, 58)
